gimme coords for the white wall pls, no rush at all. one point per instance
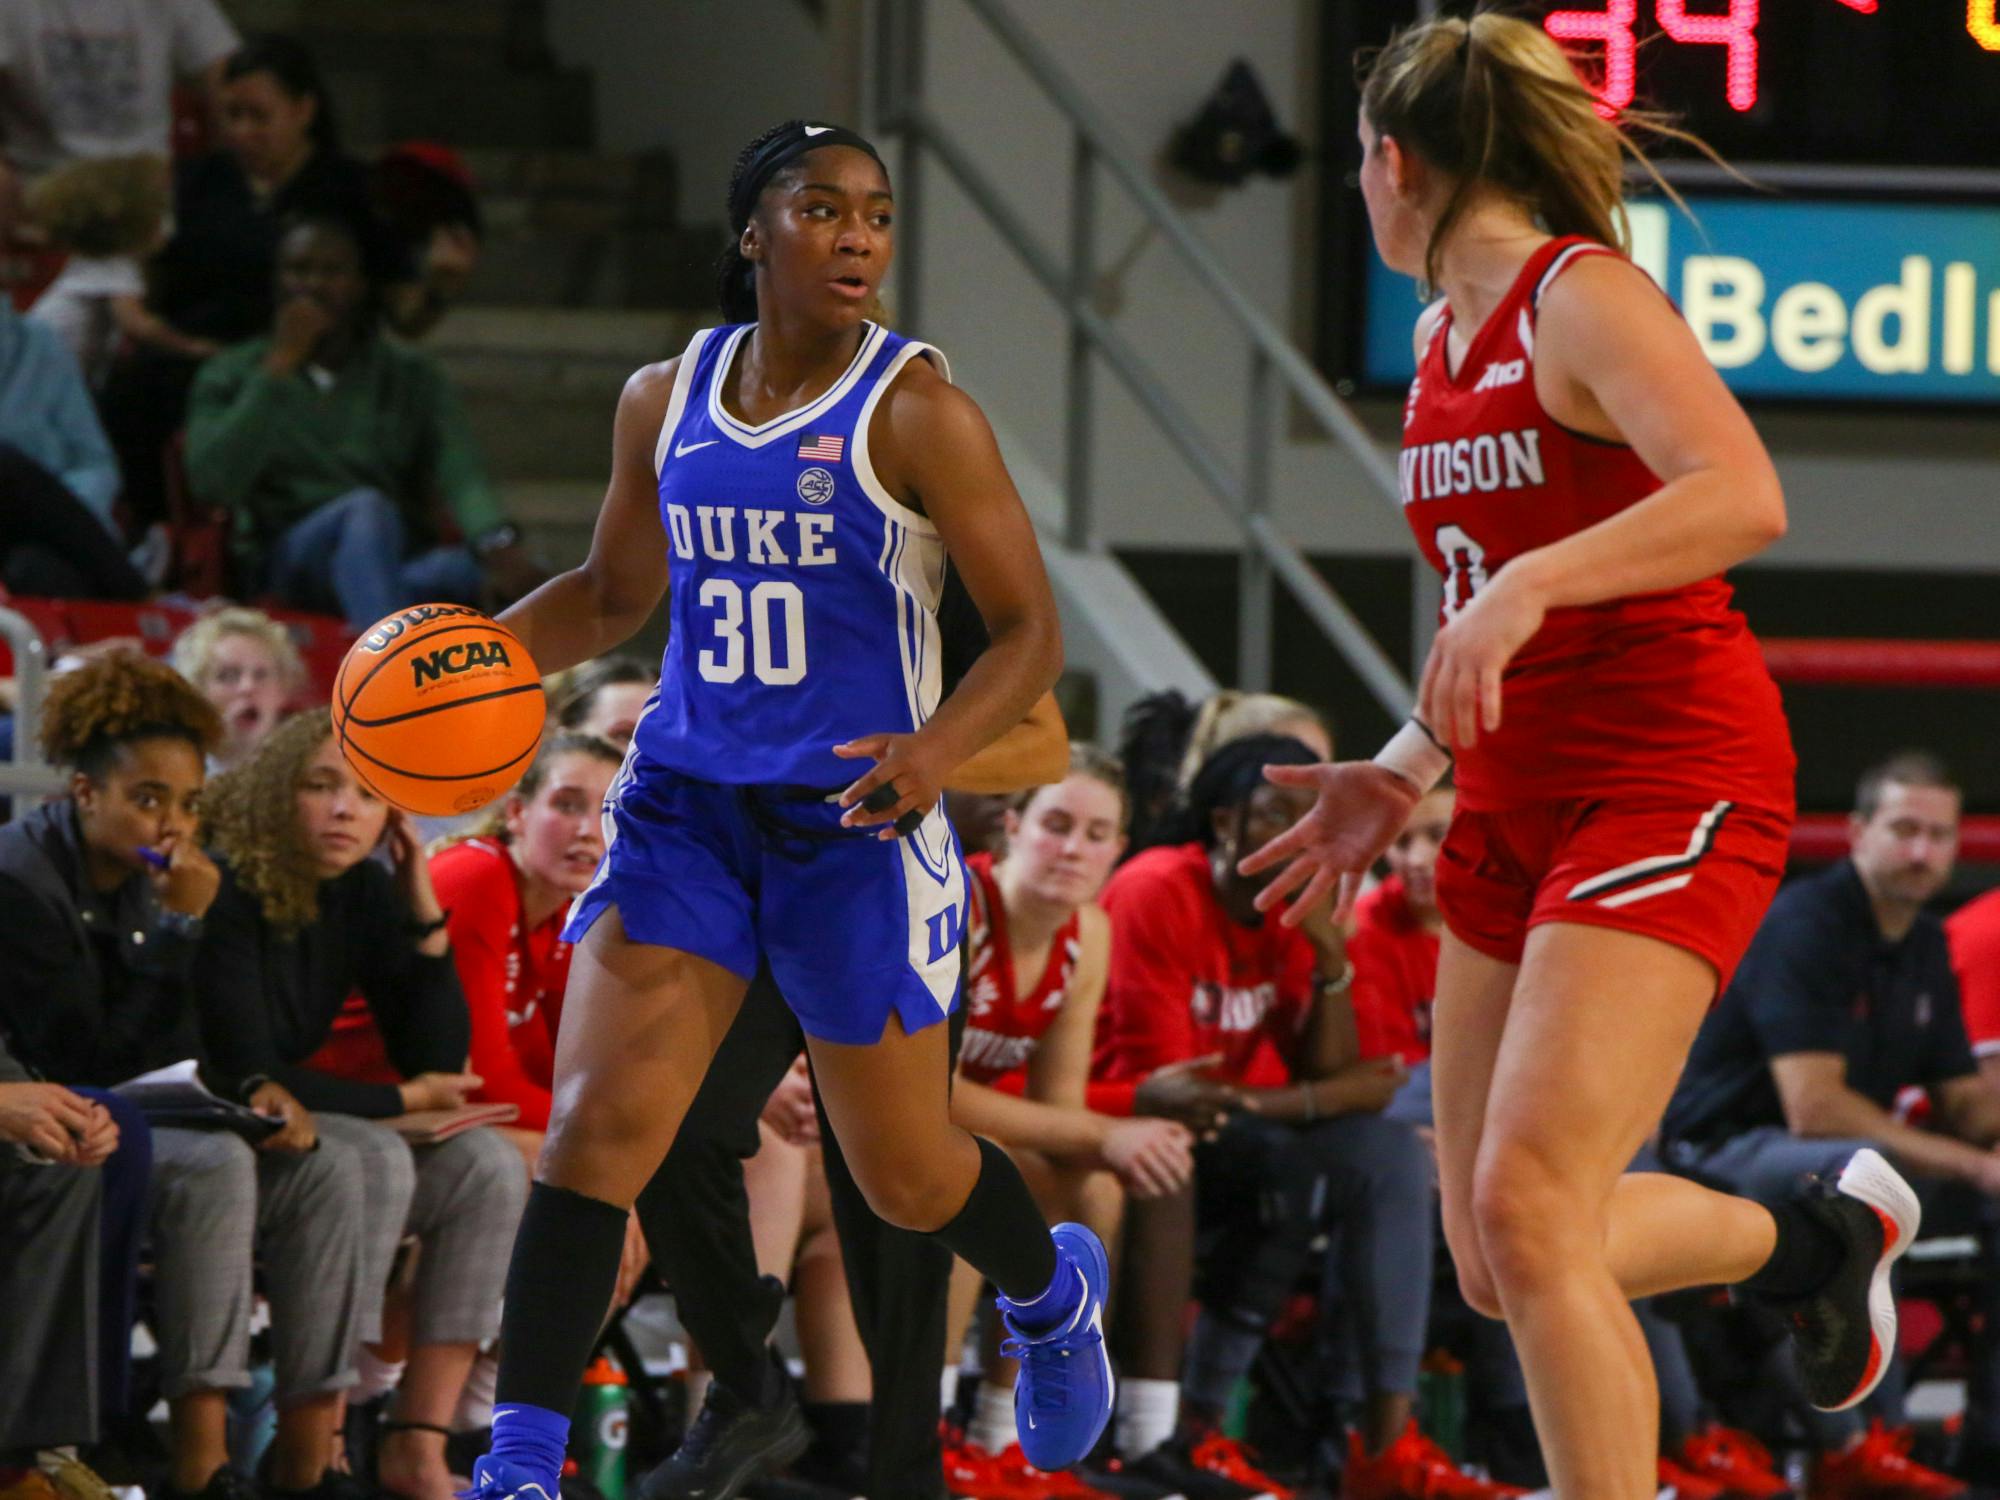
(698, 77)
(701, 76)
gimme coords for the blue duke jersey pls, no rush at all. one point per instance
(803, 614)
(803, 597)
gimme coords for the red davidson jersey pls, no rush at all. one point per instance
(1654, 693)
(1003, 1026)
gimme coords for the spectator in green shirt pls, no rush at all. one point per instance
(331, 445)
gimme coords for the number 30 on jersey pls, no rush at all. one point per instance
(1464, 567)
(776, 618)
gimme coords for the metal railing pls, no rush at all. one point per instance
(27, 775)
(1277, 369)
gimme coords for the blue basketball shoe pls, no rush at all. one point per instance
(1062, 1397)
(503, 1479)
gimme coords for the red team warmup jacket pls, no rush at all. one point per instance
(1395, 976)
(513, 975)
(1974, 933)
(1187, 981)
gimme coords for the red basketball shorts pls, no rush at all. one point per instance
(1696, 875)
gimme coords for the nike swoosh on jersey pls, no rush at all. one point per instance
(690, 447)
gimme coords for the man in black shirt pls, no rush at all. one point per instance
(1841, 1030)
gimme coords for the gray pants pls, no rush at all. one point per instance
(217, 1205)
(1267, 1191)
(1771, 1162)
(461, 1200)
(48, 1303)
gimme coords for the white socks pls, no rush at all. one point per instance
(378, 1377)
(1148, 1412)
(475, 1402)
(948, 1388)
(992, 1426)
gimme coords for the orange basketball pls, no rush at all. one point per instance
(438, 708)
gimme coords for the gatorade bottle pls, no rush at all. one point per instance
(601, 1428)
(1441, 1402)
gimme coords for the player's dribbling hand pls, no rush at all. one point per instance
(905, 761)
(1358, 809)
(1460, 694)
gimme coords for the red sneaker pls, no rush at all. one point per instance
(973, 1474)
(1415, 1468)
(1879, 1467)
(1229, 1458)
(1683, 1484)
(1025, 1479)
(1735, 1460)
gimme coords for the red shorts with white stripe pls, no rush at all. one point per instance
(1697, 875)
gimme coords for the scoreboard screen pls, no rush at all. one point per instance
(1825, 82)
(1864, 268)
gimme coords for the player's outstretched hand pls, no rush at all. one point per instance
(906, 763)
(1358, 808)
(1460, 694)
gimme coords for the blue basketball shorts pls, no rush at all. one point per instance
(854, 928)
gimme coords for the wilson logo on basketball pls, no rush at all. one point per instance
(451, 660)
(387, 632)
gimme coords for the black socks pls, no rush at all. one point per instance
(1805, 1258)
(1000, 1232)
(559, 1287)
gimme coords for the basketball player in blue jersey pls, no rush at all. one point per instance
(798, 479)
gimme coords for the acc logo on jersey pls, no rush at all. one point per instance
(815, 486)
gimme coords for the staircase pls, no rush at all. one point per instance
(587, 270)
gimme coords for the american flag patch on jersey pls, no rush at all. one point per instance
(824, 450)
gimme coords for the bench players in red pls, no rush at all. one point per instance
(1578, 473)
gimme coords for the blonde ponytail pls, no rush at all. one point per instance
(1495, 103)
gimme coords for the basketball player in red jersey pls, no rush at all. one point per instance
(1577, 471)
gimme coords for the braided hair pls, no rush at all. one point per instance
(735, 275)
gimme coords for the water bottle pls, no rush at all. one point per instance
(603, 1422)
(1441, 1402)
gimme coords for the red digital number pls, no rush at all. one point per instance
(1613, 27)
(1737, 31)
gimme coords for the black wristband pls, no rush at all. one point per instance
(1431, 735)
(422, 930)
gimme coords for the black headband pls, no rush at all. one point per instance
(781, 151)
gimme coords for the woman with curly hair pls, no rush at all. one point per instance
(104, 897)
(305, 917)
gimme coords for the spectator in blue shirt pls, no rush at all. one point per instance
(1842, 1029)
(58, 478)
